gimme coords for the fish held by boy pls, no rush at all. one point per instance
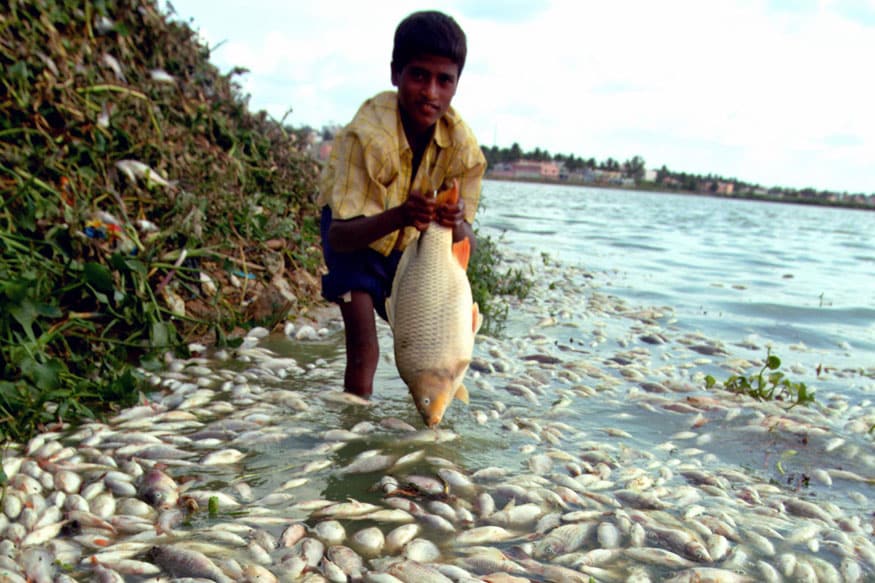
(433, 317)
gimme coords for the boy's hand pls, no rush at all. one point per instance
(451, 215)
(418, 210)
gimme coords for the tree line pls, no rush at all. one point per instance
(666, 178)
(633, 167)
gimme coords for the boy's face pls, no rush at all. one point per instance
(426, 85)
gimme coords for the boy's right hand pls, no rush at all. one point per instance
(418, 210)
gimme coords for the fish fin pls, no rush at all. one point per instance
(450, 195)
(476, 318)
(462, 394)
(462, 252)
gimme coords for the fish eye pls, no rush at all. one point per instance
(426, 401)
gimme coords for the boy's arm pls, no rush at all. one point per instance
(359, 232)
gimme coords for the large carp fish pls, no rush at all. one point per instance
(433, 317)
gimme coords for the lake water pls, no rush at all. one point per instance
(801, 278)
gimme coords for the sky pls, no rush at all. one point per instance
(771, 92)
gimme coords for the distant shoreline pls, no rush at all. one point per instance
(853, 205)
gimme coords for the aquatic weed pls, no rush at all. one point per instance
(766, 387)
(490, 286)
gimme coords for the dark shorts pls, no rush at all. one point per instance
(365, 270)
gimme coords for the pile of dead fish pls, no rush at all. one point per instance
(172, 490)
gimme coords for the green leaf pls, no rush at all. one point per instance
(773, 362)
(159, 335)
(48, 311)
(9, 393)
(25, 313)
(98, 276)
(46, 376)
(16, 291)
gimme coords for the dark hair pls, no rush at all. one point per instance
(428, 32)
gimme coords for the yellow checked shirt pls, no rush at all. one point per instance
(369, 170)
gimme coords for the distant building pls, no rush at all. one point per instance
(608, 176)
(725, 188)
(531, 169)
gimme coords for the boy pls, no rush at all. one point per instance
(376, 188)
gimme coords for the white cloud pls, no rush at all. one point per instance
(736, 88)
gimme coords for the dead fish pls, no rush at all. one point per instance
(135, 169)
(516, 516)
(563, 539)
(657, 556)
(38, 565)
(158, 489)
(347, 559)
(257, 574)
(222, 457)
(369, 540)
(482, 534)
(291, 535)
(422, 550)
(349, 509)
(179, 562)
(400, 536)
(369, 464)
(710, 575)
(433, 317)
(330, 532)
(408, 570)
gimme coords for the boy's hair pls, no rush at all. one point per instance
(428, 32)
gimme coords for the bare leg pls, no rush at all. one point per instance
(362, 348)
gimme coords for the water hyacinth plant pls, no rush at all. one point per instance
(767, 386)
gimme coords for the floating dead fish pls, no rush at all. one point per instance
(158, 489)
(179, 562)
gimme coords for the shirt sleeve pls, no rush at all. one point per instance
(353, 186)
(467, 163)
(470, 181)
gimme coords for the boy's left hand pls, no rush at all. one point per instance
(451, 215)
